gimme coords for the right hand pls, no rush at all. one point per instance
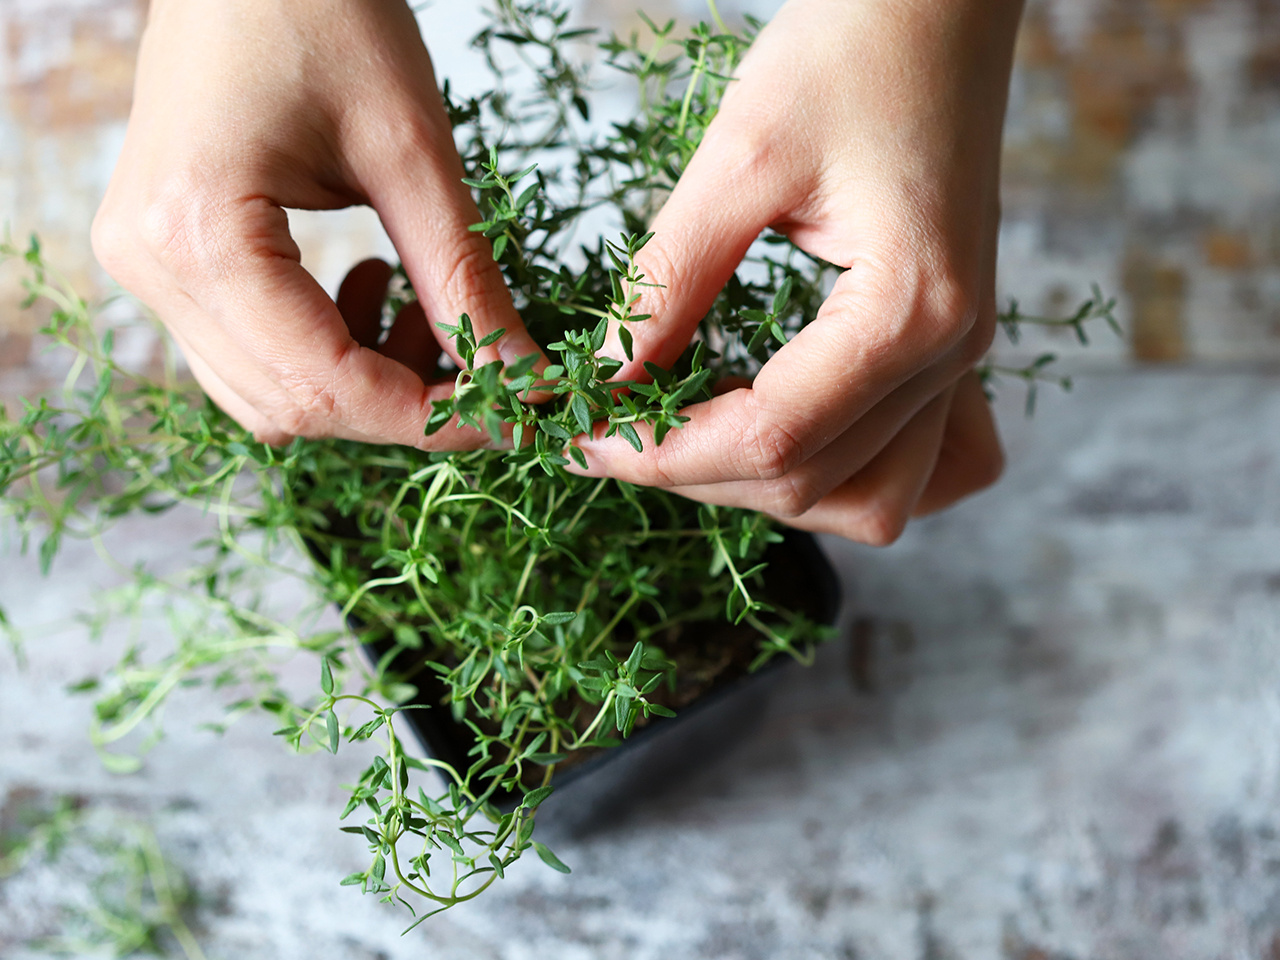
(245, 107)
(869, 134)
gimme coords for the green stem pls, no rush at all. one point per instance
(586, 734)
(695, 78)
(609, 627)
(715, 15)
(586, 503)
(158, 874)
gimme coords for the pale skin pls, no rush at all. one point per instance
(867, 131)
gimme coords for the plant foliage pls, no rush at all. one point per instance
(548, 608)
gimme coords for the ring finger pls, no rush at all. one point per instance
(874, 505)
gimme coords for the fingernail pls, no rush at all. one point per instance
(593, 468)
(613, 345)
(515, 346)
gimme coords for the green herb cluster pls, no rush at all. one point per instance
(551, 613)
(119, 894)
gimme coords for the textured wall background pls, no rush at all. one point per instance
(1143, 153)
(67, 71)
(1143, 150)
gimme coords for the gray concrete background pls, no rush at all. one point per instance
(1050, 730)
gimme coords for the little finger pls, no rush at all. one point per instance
(874, 505)
(971, 458)
(795, 492)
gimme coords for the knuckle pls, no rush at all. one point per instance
(882, 525)
(308, 408)
(768, 451)
(169, 227)
(956, 303)
(748, 140)
(988, 469)
(398, 130)
(792, 499)
(112, 241)
(310, 404)
(951, 309)
(293, 418)
(658, 467)
(659, 268)
(654, 471)
(188, 228)
(976, 341)
(469, 273)
(925, 308)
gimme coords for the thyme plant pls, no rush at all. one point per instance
(549, 614)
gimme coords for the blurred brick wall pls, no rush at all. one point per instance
(67, 73)
(1143, 153)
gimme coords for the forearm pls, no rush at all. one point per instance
(922, 62)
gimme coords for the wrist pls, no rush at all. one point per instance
(977, 28)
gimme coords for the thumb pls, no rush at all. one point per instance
(718, 208)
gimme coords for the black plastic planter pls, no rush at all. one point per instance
(798, 575)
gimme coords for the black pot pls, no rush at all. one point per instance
(798, 575)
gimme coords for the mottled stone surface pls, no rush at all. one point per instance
(1051, 729)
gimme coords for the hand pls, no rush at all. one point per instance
(245, 107)
(868, 133)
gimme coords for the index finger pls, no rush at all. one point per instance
(288, 344)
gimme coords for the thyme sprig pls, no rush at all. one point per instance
(1038, 371)
(121, 895)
